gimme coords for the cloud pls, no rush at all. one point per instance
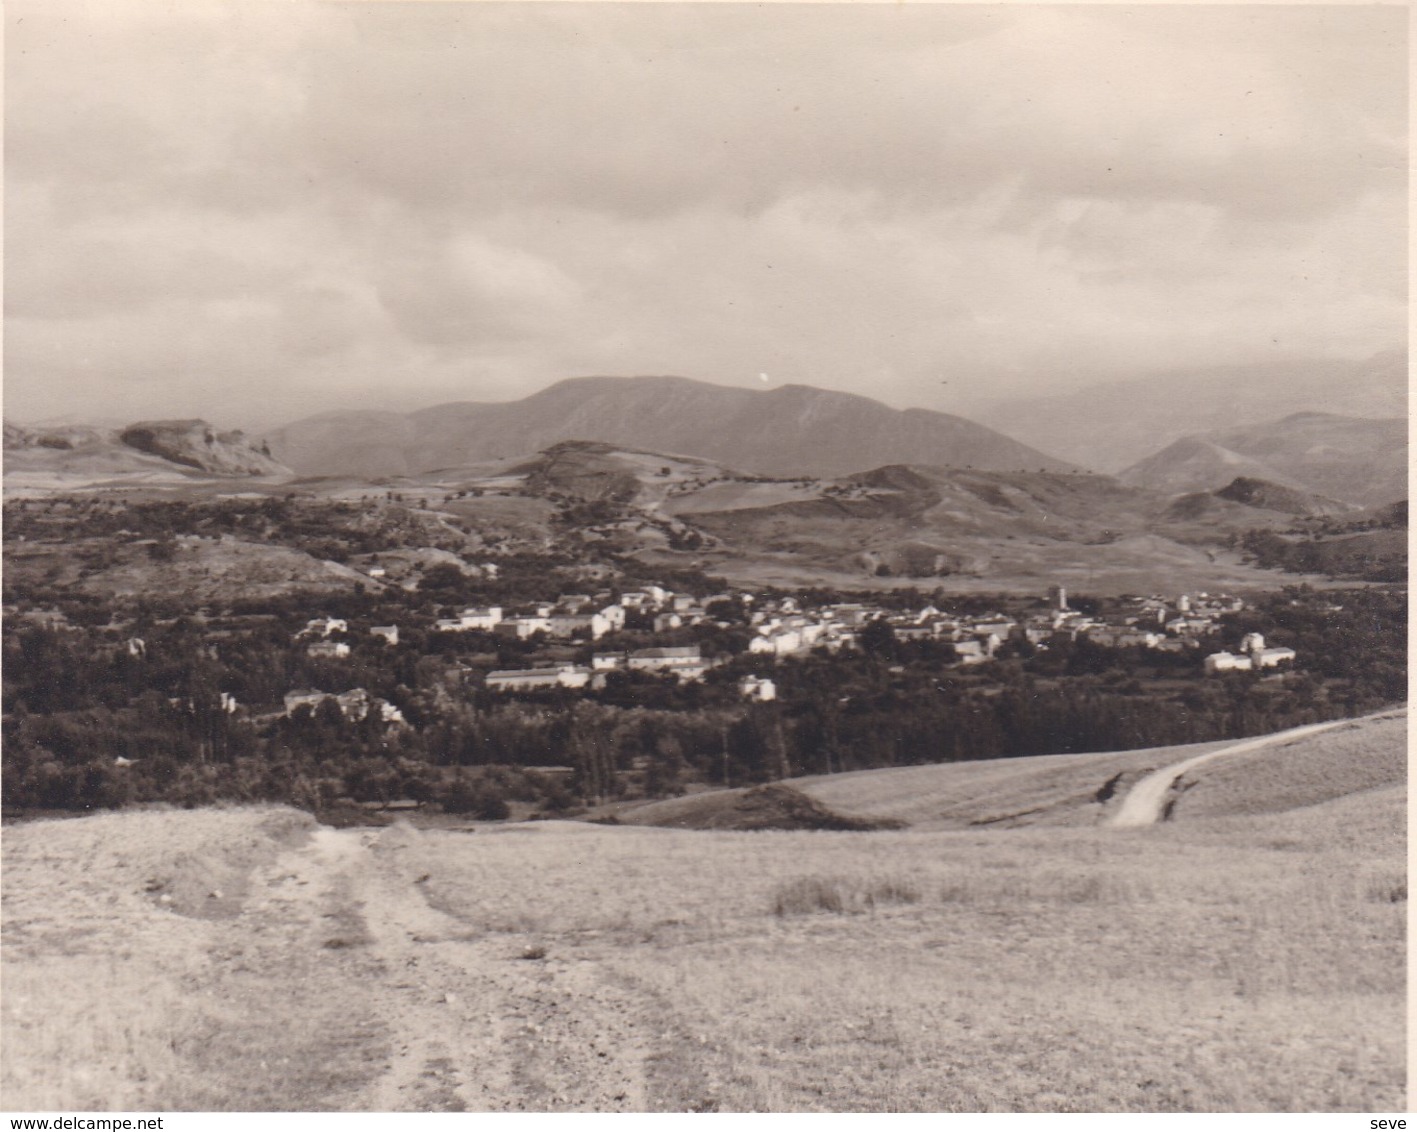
(277, 208)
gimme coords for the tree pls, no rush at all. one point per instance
(878, 639)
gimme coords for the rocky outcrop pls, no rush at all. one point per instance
(196, 444)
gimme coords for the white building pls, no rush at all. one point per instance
(757, 688)
(683, 661)
(480, 617)
(1227, 662)
(524, 627)
(779, 642)
(522, 679)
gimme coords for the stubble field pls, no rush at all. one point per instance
(1241, 961)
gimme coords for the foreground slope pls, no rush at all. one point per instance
(246, 959)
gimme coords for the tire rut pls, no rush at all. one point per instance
(470, 1023)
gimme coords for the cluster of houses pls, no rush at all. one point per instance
(1164, 624)
(1151, 622)
(581, 615)
(784, 627)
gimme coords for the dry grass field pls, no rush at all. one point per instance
(1246, 960)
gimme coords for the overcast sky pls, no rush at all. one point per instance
(250, 211)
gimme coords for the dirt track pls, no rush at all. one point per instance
(468, 1022)
(1145, 802)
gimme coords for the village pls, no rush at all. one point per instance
(785, 626)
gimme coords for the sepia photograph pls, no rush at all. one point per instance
(703, 557)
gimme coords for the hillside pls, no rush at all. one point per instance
(1063, 790)
(174, 450)
(790, 430)
(898, 521)
(197, 569)
(1112, 425)
(1358, 461)
(939, 522)
(243, 959)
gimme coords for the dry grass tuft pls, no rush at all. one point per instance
(807, 895)
(1390, 888)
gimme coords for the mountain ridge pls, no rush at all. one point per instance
(793, 429)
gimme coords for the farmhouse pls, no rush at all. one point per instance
(331, 649)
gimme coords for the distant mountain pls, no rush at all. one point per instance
(1353, 460)
(148, 447)
(791, 430)
(1110, 426)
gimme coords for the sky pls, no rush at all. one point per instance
(251, 211)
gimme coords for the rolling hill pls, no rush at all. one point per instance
(897, 521)
(791, 430)
(1365, 755)
(1359, 461)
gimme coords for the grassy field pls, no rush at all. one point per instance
(1245, 960)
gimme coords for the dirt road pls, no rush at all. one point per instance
(1144, 804)
(465, 1020)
